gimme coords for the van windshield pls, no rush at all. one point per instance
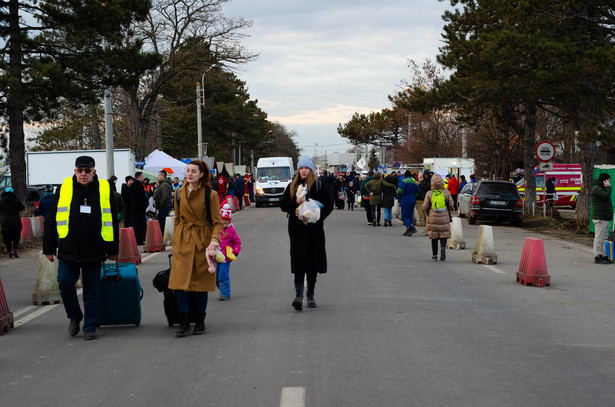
(540, 182)
(274, 173)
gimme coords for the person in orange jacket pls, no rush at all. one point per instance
(453, 188)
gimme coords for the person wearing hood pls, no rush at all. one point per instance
(407, 190)
(10, 206)
(438, 206)
(365, 197)
(45, 202)
(308, 256)
(375, 188)
(601, 215)
(163, 198)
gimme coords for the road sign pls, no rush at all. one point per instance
(546, 166)
(545, 151)
(396, 165)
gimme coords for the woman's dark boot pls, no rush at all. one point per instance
(184, 326)
(15, 253)
(310, 296)
(199, 325)
(298, 301)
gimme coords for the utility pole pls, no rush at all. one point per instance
(108, 127)
(199, 130)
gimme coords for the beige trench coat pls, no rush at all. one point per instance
(191, 237)
(438, 223)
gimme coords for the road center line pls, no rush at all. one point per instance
(292, 397)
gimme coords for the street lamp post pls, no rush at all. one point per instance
(199, 130)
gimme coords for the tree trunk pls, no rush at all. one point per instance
(529, 158)
(96, 137)
(589, 152)
(15, 105)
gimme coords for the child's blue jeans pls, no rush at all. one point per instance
(388, 214)
(223, 279)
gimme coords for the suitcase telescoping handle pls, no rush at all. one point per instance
(112, 276)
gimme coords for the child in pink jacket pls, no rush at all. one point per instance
(229, 239)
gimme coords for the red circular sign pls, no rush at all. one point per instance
(545, 151)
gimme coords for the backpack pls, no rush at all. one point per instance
(438, 203)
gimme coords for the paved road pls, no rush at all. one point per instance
(392, 328)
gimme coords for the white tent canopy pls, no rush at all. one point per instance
(159, 160)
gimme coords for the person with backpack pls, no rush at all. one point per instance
(438, 206)
(197, 229)
(407, 190)
(308, 256)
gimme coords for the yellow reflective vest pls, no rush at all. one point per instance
(63, 212)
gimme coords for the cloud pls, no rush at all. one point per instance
(329, 115)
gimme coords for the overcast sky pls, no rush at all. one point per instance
(322, 60)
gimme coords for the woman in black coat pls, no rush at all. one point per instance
(10, 206)
(308, 256)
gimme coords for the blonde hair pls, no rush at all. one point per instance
(311, 179)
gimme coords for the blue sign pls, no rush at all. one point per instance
(396, 165)
(140, 163)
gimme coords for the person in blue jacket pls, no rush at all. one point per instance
(407, 190)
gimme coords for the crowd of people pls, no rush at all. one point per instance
(86, 208)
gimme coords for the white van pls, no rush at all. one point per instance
(272, 176)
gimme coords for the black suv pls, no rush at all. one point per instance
(494, 200)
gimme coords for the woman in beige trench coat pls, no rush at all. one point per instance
(193, 234)
(438, 220)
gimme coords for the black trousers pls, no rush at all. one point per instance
(368, 210)
(311, 280)
(11, 239)
(434, 245)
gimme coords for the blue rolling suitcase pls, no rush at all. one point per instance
(120, 295)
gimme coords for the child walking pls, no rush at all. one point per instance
(230, 241)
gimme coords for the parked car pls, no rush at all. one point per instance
(33, 194)
(493, 200)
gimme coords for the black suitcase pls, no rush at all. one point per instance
(171, 308)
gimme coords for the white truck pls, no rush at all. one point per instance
(272, 176)
(52, 167)
(457, 166)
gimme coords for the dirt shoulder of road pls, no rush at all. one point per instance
(565, 229)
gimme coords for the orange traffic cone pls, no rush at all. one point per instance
(533, 266)
(129, 251)
(6, 317)
(26, 229)
(153, 238)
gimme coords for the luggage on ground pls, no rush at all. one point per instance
(120, 295)
(171, 308)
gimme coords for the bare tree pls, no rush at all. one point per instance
(190, 35)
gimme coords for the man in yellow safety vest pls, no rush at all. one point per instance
(83, 216)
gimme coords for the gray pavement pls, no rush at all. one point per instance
(392, 328)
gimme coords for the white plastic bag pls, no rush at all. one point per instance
(309, 211)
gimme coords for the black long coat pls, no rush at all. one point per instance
(307, 242)
(10, 206)
(138, 205)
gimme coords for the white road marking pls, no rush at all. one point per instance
(494, 269)
(47, 308)
(35, 314)
(292, 397)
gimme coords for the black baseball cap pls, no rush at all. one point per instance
(85, 161)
